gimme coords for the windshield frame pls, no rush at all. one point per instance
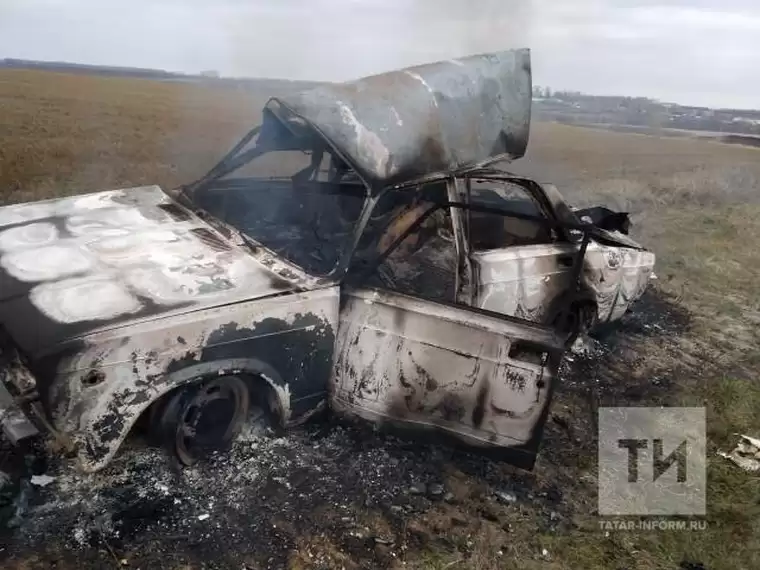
(239, 157)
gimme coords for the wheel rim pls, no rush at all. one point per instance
(210, 418)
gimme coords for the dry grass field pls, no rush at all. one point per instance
(695, 203)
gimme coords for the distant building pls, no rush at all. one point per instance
(210, 73)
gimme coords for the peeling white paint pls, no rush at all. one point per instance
(368, 143)
(108, 222)
(399, 122)
(124, 239)
(46, 263)
(419, 78)
(30, 235)
(84, 299)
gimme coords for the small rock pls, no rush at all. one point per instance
(488, 514)
(545, 553)
(561, 421)
(436, 490)
(554, 495)
(418, 488)
(384, 554)
(42, 480)
(506, 496)
(397, 509)
(449, 497)
(554, 516)
(204, 517)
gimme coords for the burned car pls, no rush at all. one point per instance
(394, 275)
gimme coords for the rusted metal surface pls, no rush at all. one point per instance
(424, 365)
(444, 117)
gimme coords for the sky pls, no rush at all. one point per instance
(699, 52)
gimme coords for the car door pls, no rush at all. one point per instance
(408, 355)
(522, 266)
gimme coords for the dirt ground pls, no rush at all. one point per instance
(341, 496)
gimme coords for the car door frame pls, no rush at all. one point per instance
(446, 368)
(567, 252)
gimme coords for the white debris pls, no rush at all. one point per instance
(42, 480)
(506, 496)
(580, 346)
(746, 454)
(80, 536)
(204, 517)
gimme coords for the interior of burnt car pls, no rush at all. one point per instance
(488, 230)
(413, 246)
(421, 261)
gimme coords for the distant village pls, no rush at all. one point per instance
(580, 108)
(573, 107)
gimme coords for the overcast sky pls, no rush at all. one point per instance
(704, 52)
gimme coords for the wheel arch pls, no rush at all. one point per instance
(106, 424)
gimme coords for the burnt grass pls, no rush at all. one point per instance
(328, 495)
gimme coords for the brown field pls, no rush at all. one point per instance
(696, 203)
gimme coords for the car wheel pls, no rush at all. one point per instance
(200, 419)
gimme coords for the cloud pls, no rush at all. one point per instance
(693, 51)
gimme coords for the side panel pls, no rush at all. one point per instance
(522, 281)
(525, 281)
(419, 364)
(618, 276)
(104, 383)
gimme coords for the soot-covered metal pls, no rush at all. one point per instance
(281, 345)
(445, 117)
(445, 370)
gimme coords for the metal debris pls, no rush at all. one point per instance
(505, 496)
(746, 454)
(42, 480)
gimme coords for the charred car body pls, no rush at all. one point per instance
(396, 275)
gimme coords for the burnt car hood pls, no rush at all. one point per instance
(427, 121)
(74, 265)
